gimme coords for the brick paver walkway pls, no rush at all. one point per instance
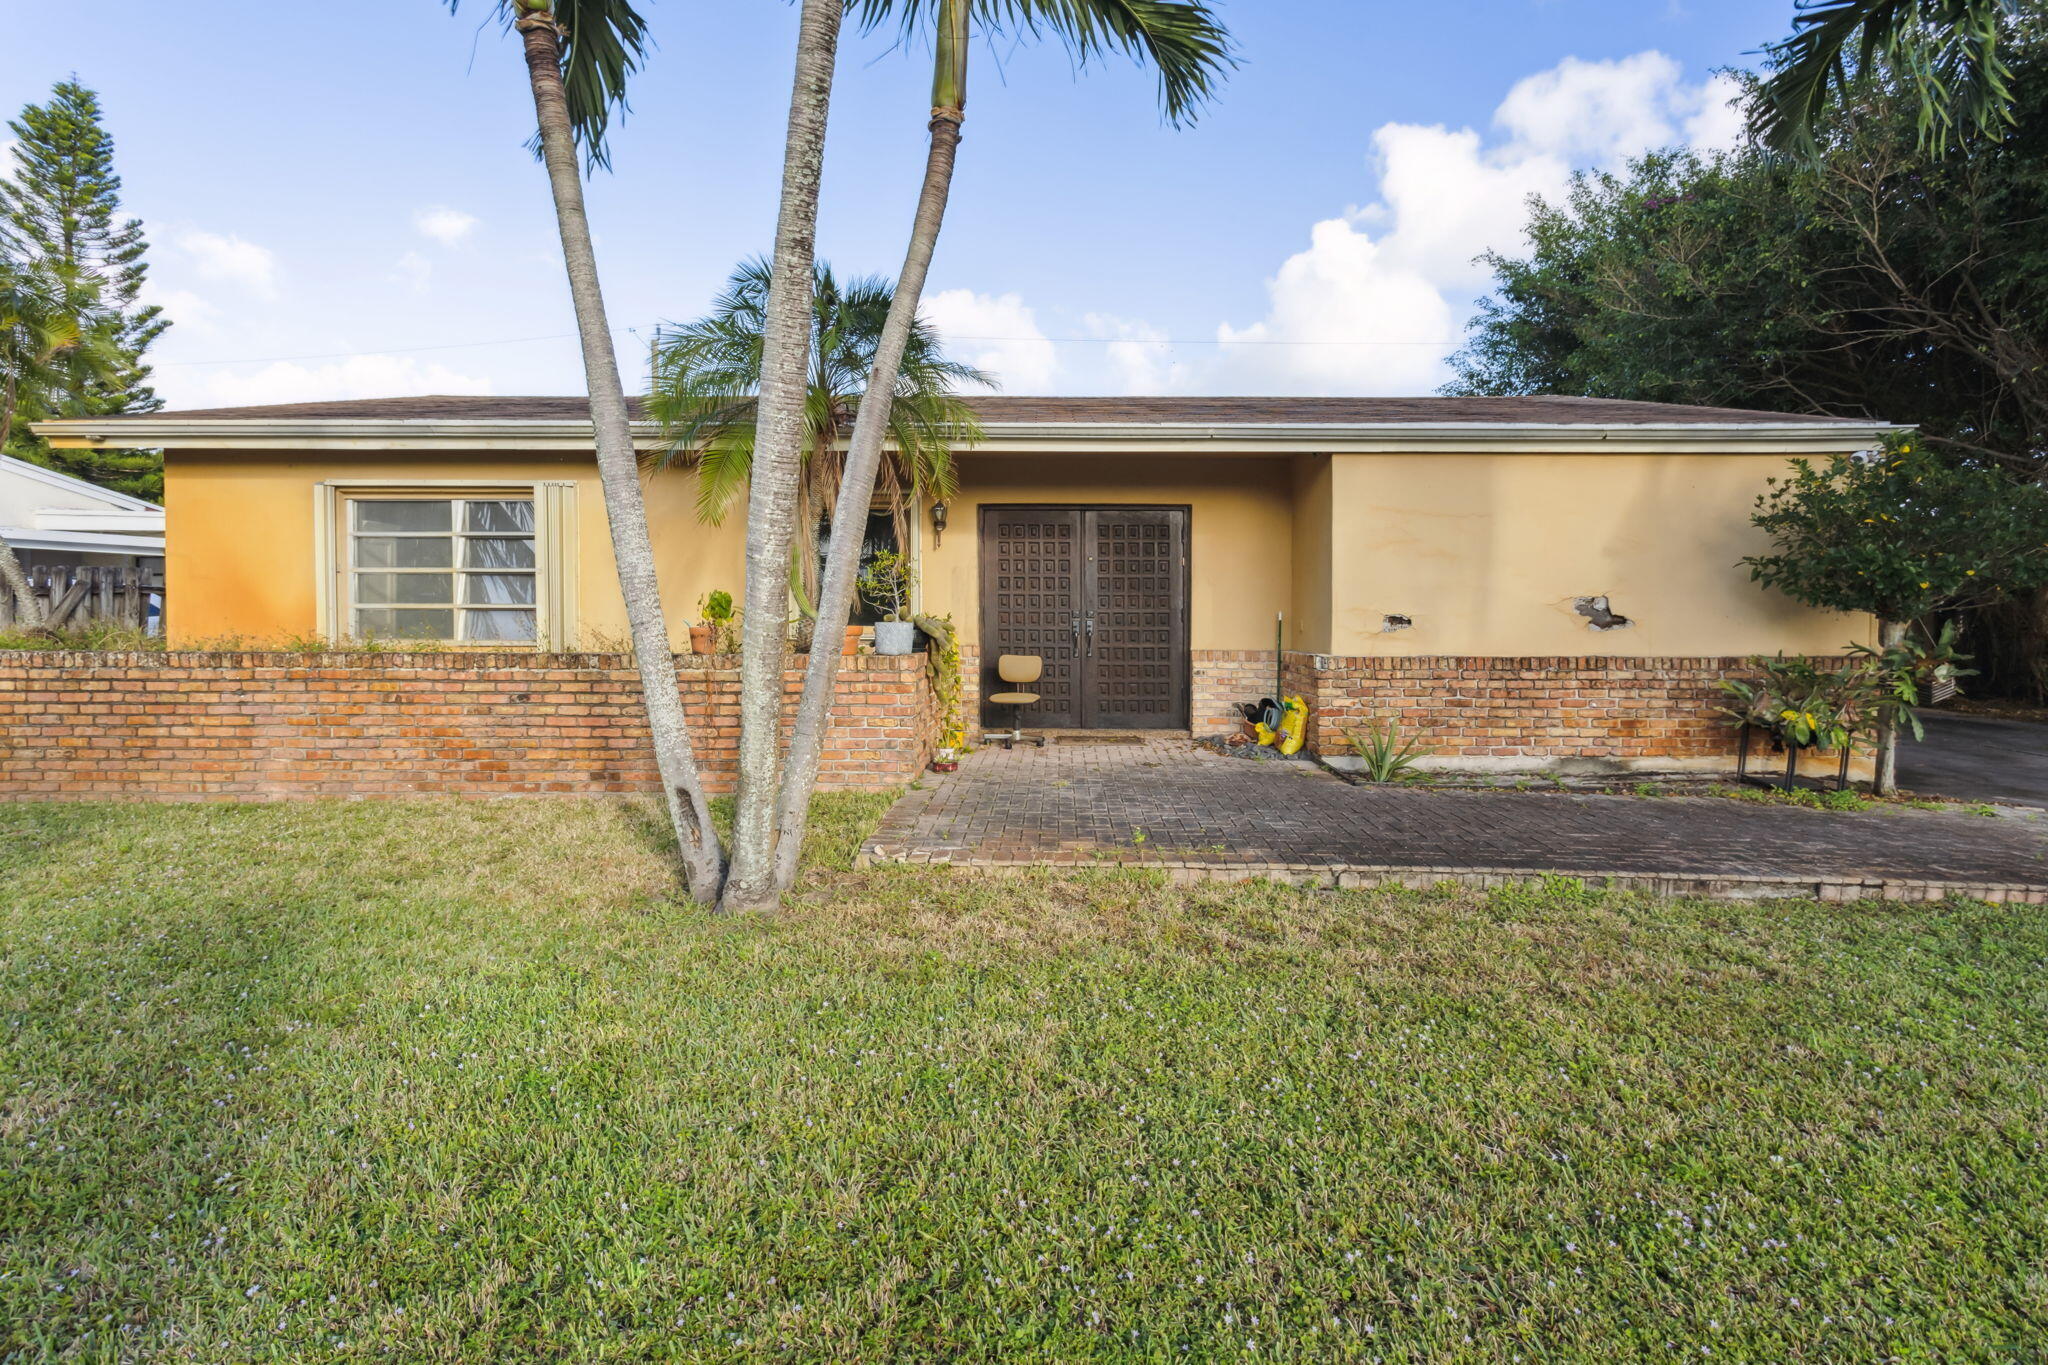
(1198, 813)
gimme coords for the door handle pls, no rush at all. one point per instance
(1090, 627)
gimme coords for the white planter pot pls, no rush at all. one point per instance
(895, 637)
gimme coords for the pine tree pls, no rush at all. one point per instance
(61, 212)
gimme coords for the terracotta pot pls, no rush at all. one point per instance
(703, 639)
(852, 645)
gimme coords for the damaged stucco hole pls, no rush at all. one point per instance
(1599, 615)
(1395, 622)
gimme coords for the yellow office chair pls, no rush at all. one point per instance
(1017, 668)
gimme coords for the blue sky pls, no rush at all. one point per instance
(341, 205)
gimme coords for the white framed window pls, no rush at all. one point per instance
(478, 565)
(456, 569)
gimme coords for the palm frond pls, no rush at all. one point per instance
(1183, 39)
(1947, 51)
(706, 375)
(603, 43)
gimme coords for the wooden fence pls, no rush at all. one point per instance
(76, 596)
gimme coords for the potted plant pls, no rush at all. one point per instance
(951, 741)
(713, 634)
(886, 582)
(1802, 708)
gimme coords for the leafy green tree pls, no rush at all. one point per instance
(61, 212)
(1901, 534)
(707, 378)
(1951, 53)
(579, 55)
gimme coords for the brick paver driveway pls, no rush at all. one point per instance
(1172, 803)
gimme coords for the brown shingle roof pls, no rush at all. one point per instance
(1108, 411)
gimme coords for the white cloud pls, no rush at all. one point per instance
(230, 260)
(414, 271)
(186, 309)
(997, 333)
(1138, 357)
(284, 381)
(1719, 122)
(1380, 295)
(1344, 317)
(446, 226)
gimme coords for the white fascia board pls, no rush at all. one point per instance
(112, 521)
(35, 538)
(1164, 438)
(171, 433)
(1460, 438)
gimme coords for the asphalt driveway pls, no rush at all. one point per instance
(1977, 758)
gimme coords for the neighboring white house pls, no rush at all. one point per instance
(56, 520)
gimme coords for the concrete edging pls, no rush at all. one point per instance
(1365, 876)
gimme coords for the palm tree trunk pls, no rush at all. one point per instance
(618, 469)
(772, 493)
(1890, 635)
(864, 453)
(28, 612)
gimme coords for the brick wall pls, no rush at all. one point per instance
(256, 726)
(1224, 679)
(1525, 712)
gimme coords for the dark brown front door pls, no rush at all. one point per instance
(1100, 595)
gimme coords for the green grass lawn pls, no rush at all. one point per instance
(466, 1082)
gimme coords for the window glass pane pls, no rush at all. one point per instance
(494, 589)
(510, 514)
(497, 625)
(381, 515)
(497, 552)
(404, 552)
(406, 623)
(383, 589)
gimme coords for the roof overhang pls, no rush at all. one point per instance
(1159, 438)
(90, 542)
(105, 520)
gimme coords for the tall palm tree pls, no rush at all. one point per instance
(578, 56)
(1947, 51)
(707, 377)
(1190, 49)
(778, 457)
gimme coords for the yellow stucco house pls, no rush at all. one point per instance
(1526, 581)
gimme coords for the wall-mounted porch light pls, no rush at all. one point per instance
(938, 523)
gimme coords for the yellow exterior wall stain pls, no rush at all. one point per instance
(1485, 553)
(239, 538)
(1308, 628)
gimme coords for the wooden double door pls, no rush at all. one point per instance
(1100, 595)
